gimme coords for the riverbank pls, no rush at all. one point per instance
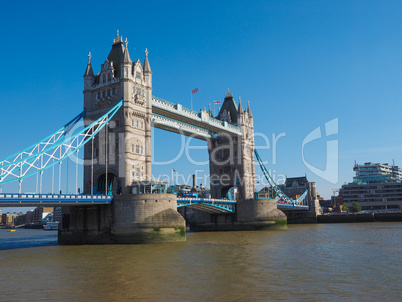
(356, 217)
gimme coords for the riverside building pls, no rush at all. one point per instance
(375, 186)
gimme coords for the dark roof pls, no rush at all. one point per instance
(301, 181)
(116, 56)
(230, 106)
(89, 72)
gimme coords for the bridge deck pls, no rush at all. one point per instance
(52, 200)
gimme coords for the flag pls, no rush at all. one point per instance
(194, 91)
(217, 102)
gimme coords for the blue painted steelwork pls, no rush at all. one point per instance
(41, 146)
(23, 200)
(56, 152)
(288, 206)
(278, 190)
(179, 126)
(208, 205)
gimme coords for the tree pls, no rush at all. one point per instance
(345, 207)
(356, 207)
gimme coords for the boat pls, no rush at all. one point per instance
(11, 230)
(51, 226)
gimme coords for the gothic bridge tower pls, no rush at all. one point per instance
(231, 158)
(129, 133)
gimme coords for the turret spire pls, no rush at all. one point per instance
(127, 58)
(89, 71)
(147, 68)
(118, 39)
(240, 109)
(249, 110)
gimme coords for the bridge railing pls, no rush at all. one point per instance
(207, 199)
(29, 199)
(53, 196)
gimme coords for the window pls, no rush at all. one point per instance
(142, 125)
(104, 79)
(109, 77)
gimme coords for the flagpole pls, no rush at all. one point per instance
(191, 100)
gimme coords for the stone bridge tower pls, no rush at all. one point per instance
(129, 133)
(231, 158)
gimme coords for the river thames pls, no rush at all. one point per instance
(320, 262)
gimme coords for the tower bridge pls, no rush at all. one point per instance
(118, 157)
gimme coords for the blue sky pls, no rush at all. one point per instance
(299, 63)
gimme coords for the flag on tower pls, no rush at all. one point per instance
(194, 91)
(217, 102)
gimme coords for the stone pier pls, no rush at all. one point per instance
(143, 218)
(251, 214)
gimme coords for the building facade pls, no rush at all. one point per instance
(375, 186)
(376, 173)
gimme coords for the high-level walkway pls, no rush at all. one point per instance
(176, 118)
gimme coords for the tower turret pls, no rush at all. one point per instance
(127, 63)
(147, 70)
(240, 113)
(249, 111)
(89, 74)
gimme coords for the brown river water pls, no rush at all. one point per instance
(322, 262)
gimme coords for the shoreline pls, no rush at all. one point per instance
(355, 217)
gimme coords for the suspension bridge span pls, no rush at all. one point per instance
(64, 142)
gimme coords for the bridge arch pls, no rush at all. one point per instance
(113, 184)
(230, 192)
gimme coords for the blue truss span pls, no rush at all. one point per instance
(208, 205)
(42, 145)
(52, 150)
(53, 200)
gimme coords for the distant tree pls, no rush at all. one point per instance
(356, 207)
(400, 206)
(345, 207)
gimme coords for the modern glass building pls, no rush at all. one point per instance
(375, 186)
